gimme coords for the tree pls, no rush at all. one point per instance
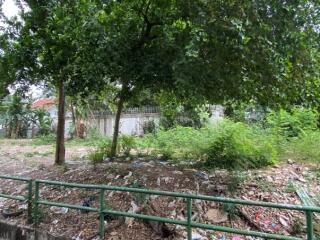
(210, 50)
(43, 50)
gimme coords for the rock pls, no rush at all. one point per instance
(137, 165)
(269, 179)
(290, 161)
(216, 216)
(251, 193)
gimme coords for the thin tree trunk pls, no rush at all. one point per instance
(116, 127)
(60, 148)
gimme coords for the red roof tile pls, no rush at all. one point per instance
(44, 103)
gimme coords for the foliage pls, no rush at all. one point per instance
(304, 148)
(102, 150)
(294, 123)
(239, 146)
(44, 140)
(226, 144)
(16, 115)
(205, 50)
(127, 143)
(149, 127)
(43, 121)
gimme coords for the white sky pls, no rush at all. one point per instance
(9, 8)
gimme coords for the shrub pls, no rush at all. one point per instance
(239, 146)
(227, 144)
(294, 123)
(149, 127)
(127, 143)
(96, 157)
(102, 150)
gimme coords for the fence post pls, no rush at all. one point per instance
(30, 201)
(101, 215)
(189, 218)
(36, 203)
(309, 224)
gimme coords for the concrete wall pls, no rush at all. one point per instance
(10, 231)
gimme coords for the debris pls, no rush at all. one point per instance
(202, 175)
(196, 236)
(237, 238)
(59, 210)
(221, 237)
(129, 175)
(283, 221)
(137, 165)
(216, 216)
(290, 161)
(87, 203)
(11, 212)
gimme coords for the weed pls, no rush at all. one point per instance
(297, 227)
(127, 143)
(236, 179)
(290, 187)
(231, 209)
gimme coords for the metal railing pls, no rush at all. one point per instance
(27, 198)
(188, 223)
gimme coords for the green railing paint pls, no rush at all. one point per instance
(189, 224)
(27, 198)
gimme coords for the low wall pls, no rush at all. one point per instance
(9, 231)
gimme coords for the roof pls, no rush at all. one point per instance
(44, 103)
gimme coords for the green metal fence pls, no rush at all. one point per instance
(27, 198)
(189, 224)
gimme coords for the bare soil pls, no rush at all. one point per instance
(273, 184)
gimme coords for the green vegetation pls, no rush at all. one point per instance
(227, 144)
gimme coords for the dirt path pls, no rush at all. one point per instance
(19, 157)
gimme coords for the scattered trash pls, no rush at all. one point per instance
(202, 175)
(196, 236)
(11, 212)
(283, 221)
(237, 238)
(59, 210)
(137, 165)
(129, 175)
(221, 237)
(216, 216)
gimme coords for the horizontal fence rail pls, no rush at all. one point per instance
(27, 198)
(188, 223)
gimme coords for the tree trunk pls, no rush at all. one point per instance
(116, 127)
(60, 148)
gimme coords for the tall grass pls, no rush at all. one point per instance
(226, 144)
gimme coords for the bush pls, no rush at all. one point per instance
(239, 146)
(103, 150)
(294, 123)
(227, 144)
(149, 127)
(126, 144)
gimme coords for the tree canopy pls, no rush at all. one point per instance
(263, 50)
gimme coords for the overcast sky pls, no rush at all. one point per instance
(9, 8)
